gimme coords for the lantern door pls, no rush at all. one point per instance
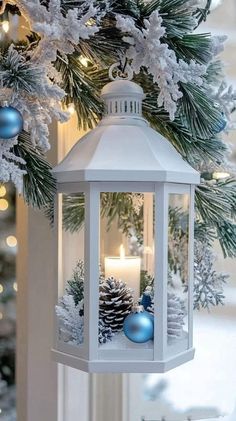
(127, 264)
(174, 298)
(70, 306)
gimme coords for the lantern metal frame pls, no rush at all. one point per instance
(94, 166)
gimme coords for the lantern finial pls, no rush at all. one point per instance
(122, 97)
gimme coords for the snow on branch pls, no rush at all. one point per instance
(148, 49)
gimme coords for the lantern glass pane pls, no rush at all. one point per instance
(178, 271)
(127, 270)
(70, 308)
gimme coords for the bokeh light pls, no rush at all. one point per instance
(11, 241)
(3, 191)
(5, 26)
(3, 205)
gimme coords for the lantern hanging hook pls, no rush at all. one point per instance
(121, 71)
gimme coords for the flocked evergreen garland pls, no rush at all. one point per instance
(187, 99)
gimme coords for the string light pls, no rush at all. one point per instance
(84, 61)
(11, 241)
(3, 191)
(6, 26)
(3, 205)
(1, 289)
(71, 108)
(15, 286)
(218, 175)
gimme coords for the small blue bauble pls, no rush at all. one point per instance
(11, 122)
(222, 124)
(139, 327)
(146, 301)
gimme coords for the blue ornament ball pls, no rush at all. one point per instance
(139, 327)
(222, 124)
(11, 122)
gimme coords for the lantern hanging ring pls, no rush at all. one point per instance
(117, 71)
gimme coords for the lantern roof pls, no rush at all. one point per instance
(123, 147)
(119, 88)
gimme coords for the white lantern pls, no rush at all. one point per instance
(134, 213)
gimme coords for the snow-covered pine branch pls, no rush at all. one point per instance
(148, 49)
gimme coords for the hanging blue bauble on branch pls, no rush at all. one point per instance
(222, 124)
(139, 326)
(11, 122)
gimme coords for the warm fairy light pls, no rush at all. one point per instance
(71, 109)
(11, 241)
(122, 251)
(15, 286)
(5, 26)
(84, 61)
(220, 175)
(3, 191)
(1, 289)
(3, 204)
(1, 317)
(90, 22)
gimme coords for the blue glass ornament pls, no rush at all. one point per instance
(222, 124)
(139, 327)
(11, 122)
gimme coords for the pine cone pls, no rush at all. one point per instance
(116, 301)
(105, 333)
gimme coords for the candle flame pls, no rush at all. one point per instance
(122, 251)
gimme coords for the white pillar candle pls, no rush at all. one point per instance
(125, 268)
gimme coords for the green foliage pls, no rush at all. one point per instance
(75, 286)
(216, 204)
(28, 77)
(39, 183)
(177, 17)
(202, 12)
(73, 212)
(115, 207)
(80, 90)
(202, 117)
(145, 281)
(193, 47)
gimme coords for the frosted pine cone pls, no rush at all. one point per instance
(116, 301)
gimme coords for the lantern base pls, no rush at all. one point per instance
(116, 366)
